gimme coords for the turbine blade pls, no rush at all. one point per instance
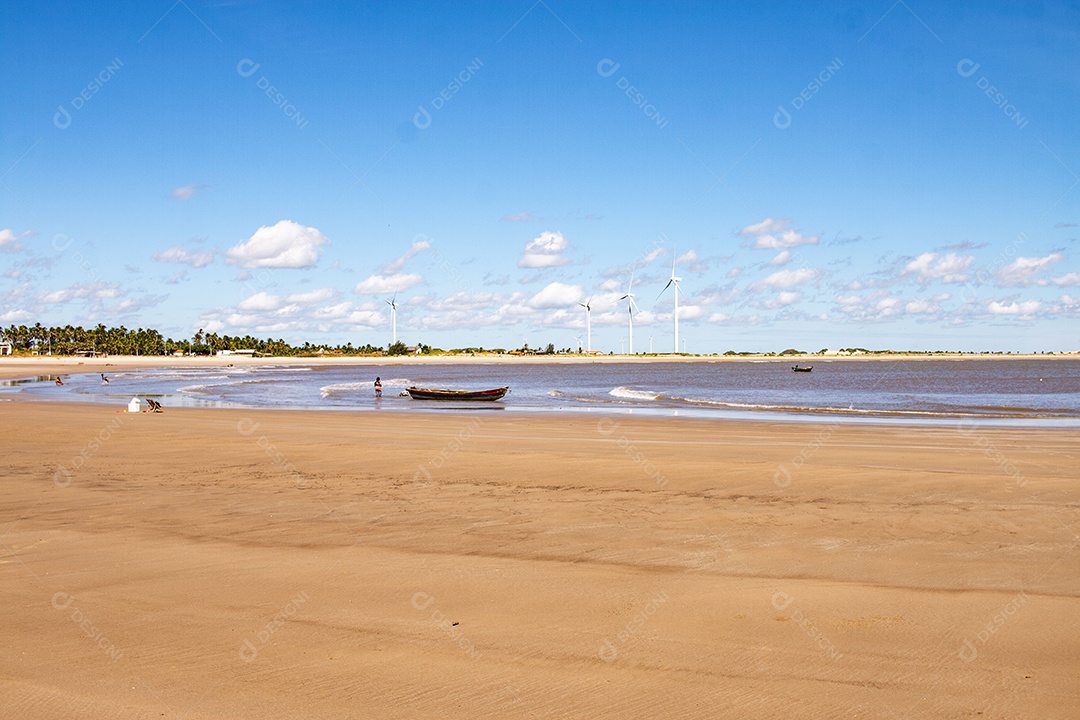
(666, 287)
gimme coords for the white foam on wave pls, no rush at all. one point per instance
(205, 388)
(194, 389)
(274, 368)
(343, 388)
(355, 387)
(179, 375)
(629, 393)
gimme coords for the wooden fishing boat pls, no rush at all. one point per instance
(433, 394)
(802, 368)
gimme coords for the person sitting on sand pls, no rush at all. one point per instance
(378, 387)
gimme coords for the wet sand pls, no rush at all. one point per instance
(231, 563)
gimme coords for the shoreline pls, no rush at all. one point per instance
(17, 367)
(806, 418)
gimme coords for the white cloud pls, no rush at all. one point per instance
(177, 254)
(9, 241)
(384, 284)
(260, 302)
(517, 217)
(285, 304)
(1025, 309)
(397, 265)
(780, 300)
(79, 291)
(651, 256)
(888, 307)
(331, 312)
(1021, 271)
(921, 306)
(16, 316)
(948, 268)
(768, 225)
(545, 251)
(556, 295)
(786, 239)
(366, 319)
(688, 258)
(785, 279)
(782, 258)
(690, 312)
(773, 234)
(296, 312)
(284, 245)
(186, 192)
(1066, 304)
(1070, 280)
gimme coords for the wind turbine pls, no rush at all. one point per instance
(578, 338)
(588, 322)
(393, 317)
(674, 281)
(630, 304)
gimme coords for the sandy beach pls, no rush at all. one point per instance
(227, 563)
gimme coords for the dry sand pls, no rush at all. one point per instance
(241, 564)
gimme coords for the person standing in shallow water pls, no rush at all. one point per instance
(378, 387)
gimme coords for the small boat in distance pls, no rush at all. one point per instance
(432, 394)
(804, 368)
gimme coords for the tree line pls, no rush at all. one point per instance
(74, 340)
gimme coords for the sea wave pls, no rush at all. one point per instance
(274, 368)
(849, 410)
(172, 375)
(629, 393)
(205, 388)
(351, 388)
(194, 389)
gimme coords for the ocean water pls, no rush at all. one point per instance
(1016, 391)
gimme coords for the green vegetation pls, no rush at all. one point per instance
(75, 340)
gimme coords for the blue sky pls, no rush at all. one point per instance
(881, 174)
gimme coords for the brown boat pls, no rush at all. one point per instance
(432, 394)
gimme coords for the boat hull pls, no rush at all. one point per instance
(460, 395)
